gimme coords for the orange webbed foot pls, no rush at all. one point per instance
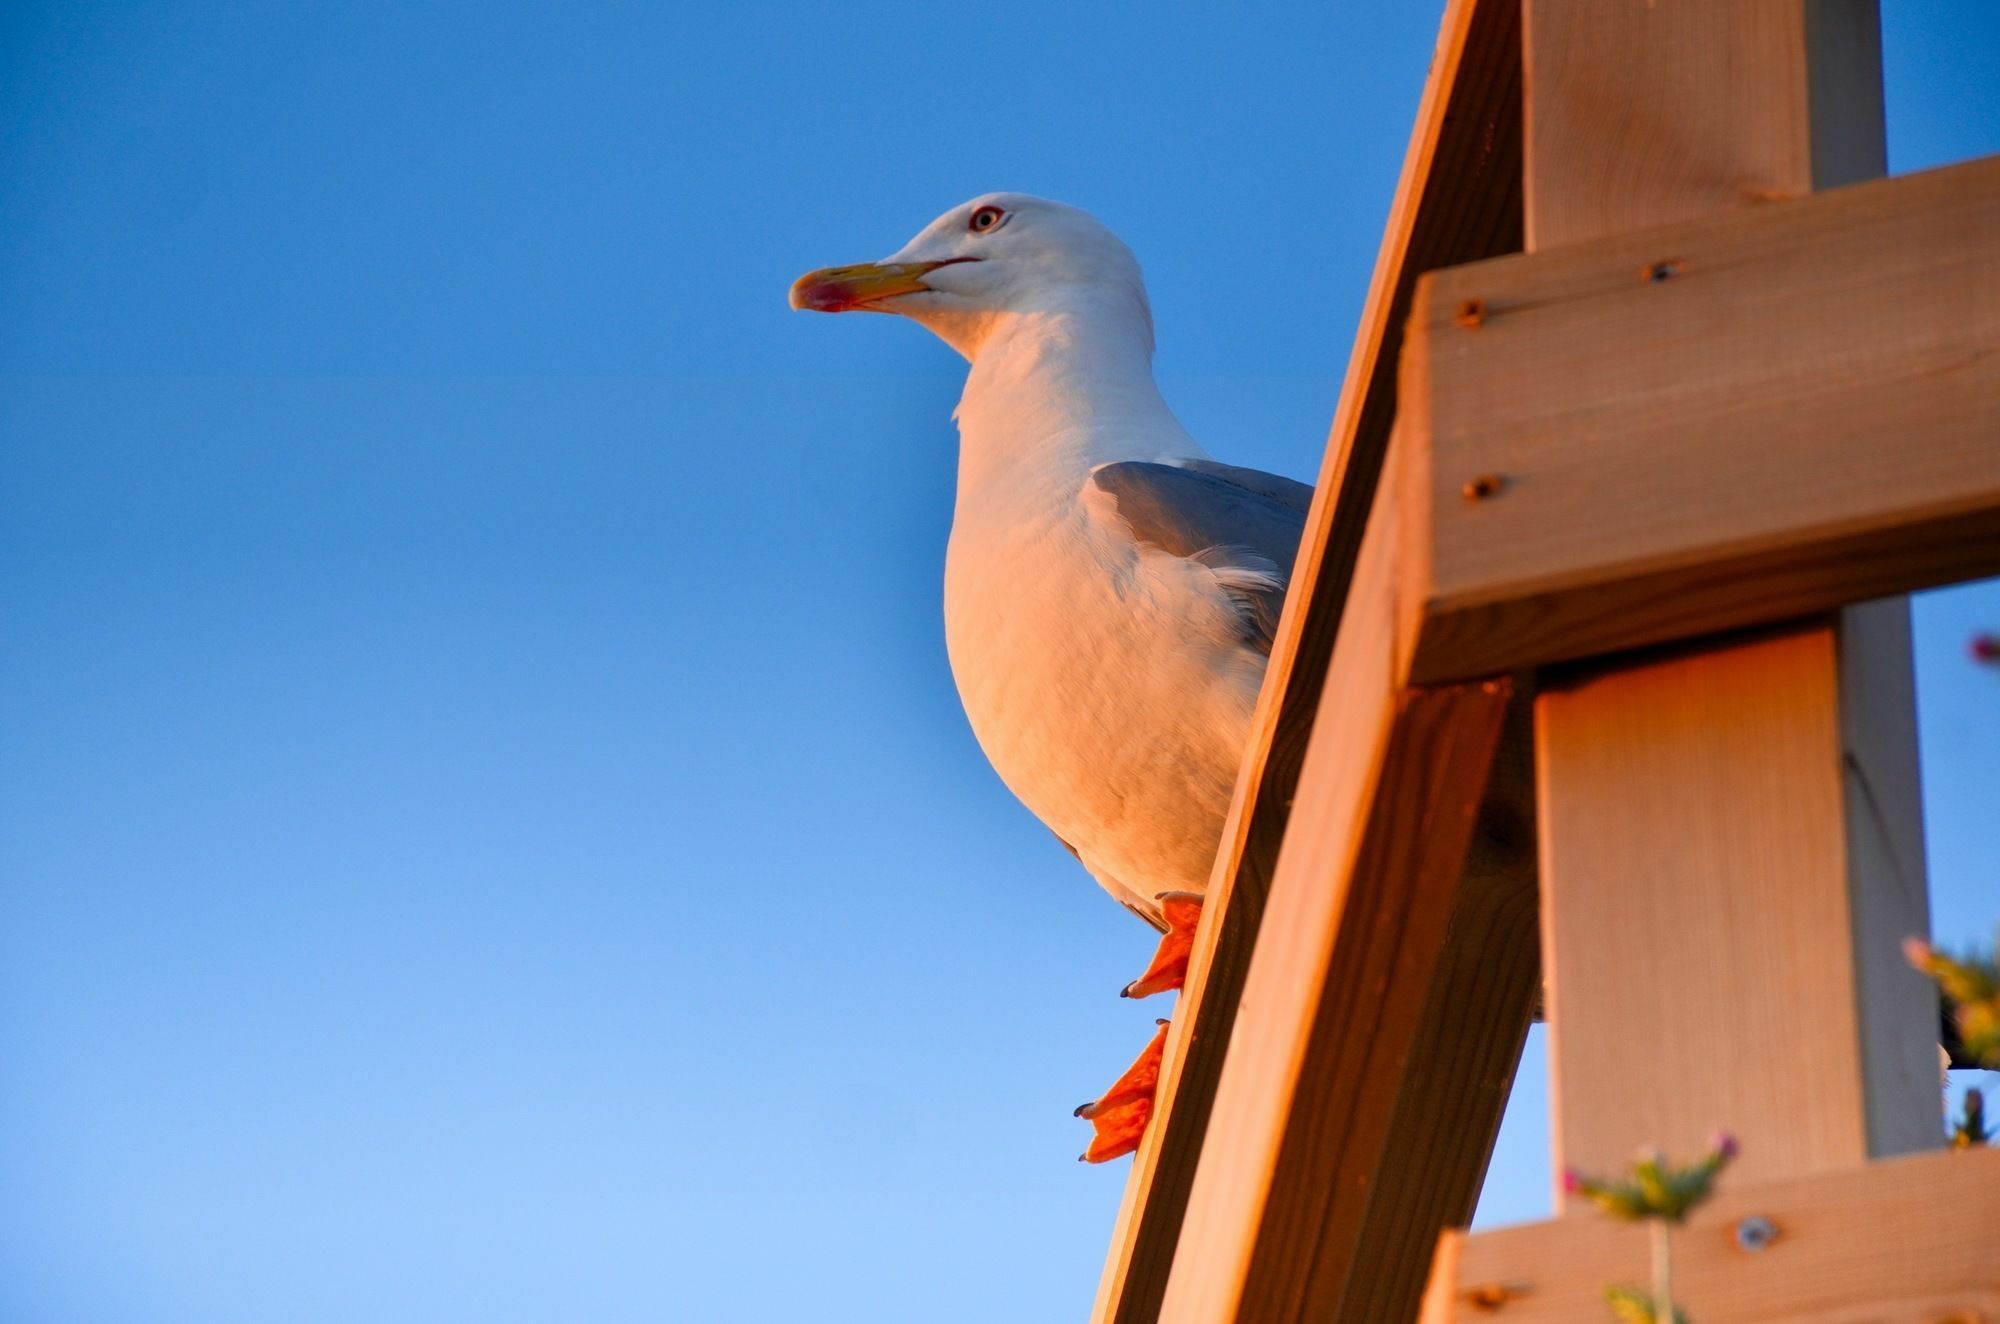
(1120, 1113)
(1182, 912)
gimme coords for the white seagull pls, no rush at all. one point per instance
(1110, 591)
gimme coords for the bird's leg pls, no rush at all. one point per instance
(1119, 1115)
(1182, 911)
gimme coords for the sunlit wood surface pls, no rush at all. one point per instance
(1731, 847)
(1909, 1241)
(1458, 200)
(1764, 414)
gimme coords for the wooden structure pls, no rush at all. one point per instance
(1593, 679)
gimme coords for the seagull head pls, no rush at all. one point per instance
(985, 263)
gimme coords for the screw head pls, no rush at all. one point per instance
(1755, 1233)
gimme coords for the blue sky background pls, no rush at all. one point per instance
(488, 832)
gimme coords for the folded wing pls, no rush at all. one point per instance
(1243, 524)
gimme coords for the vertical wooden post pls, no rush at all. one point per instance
(1730, 841)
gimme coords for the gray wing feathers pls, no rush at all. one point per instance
(1286, 492)
(1231, 519)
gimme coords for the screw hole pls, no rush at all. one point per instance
(1661, 272)
(1482, 487)
(1487, 1298)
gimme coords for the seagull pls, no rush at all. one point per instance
(1110, 591)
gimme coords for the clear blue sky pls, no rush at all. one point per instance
(486, 829)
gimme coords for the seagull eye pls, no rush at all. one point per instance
(986, 218)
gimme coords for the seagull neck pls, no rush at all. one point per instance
(1054, 394)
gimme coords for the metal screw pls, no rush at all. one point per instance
(1471, 314)
(1755, 1233)
(1482, 487)
(1660, 272)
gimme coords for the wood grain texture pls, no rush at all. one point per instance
(1484, 991)
(1712, 888)
(1699, 978)
(1646, 114)
(1459, 199)
(1910, 1241)
(1371, 909)
(1804, 414)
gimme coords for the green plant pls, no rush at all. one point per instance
(1658, 1194)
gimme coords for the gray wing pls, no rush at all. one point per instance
(1292, 495)
(1222, 516)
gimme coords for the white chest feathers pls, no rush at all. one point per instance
(1105, 681)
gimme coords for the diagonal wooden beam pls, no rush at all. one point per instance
(1459, 199)
(1751, 417)
(1338, 1150)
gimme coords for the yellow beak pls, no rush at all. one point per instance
(843, 289)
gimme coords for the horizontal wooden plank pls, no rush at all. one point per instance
(1903, 1241)
(1663, 435)
(1459, 199)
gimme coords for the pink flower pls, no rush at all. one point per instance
(1985, 647)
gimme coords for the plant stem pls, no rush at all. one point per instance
(1663, 1271)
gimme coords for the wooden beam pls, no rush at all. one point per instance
(1728, 970)
(1370, 912)
(1758, 416)
(1485, 989)
(1458, 200)
(1910, 1241)
(1729, 840)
